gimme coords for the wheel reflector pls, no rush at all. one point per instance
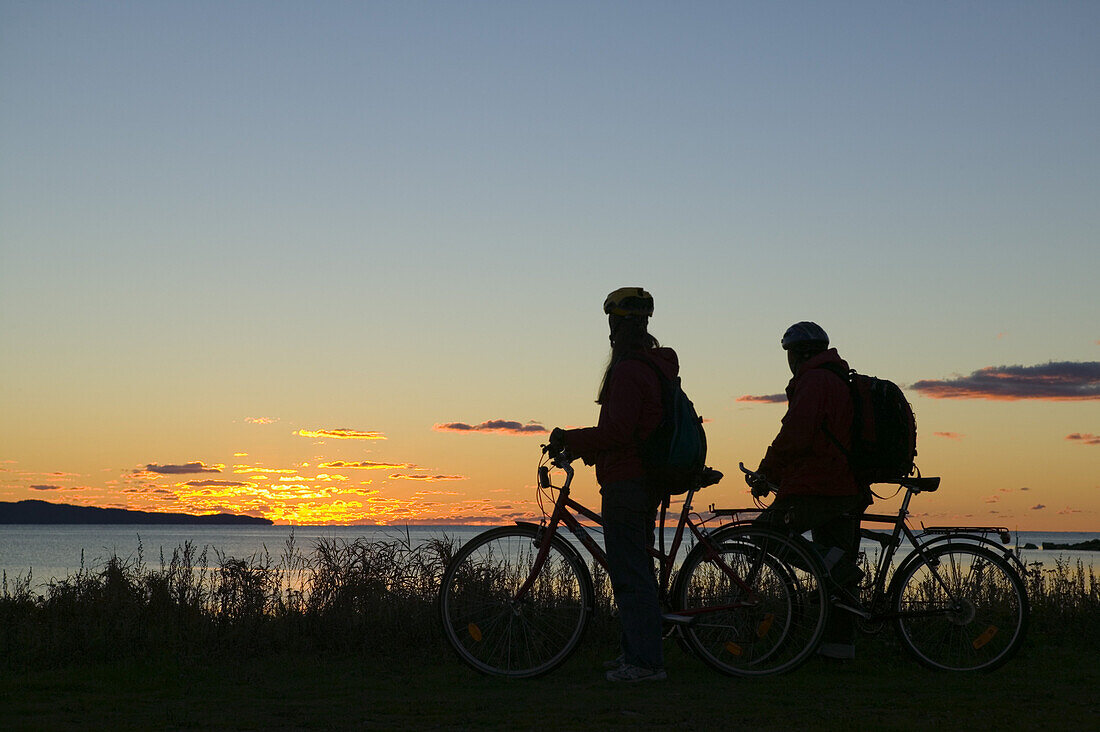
(985, 637)
(765, 625)
(474, 631)
(734, 649)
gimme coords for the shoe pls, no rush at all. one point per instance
(615, 662)
(630, 673)
(839, 651)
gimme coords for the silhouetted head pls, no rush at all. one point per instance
(802, 341)
(628, 310)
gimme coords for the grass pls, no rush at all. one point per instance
(346, 635)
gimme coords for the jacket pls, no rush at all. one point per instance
(803, 459)
(630, 412)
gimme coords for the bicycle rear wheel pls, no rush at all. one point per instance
(964, 609)
(492, 630)
(771, 625)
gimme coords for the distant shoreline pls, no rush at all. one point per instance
(44, 512)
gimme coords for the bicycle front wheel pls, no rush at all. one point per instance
(757, 604)
(962, 609)
(497, 632)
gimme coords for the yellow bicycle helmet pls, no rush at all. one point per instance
(629, 302)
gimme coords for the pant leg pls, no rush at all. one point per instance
(833, 522)
(628, 522)
(841, 532)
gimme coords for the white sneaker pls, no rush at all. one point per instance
(630, 673)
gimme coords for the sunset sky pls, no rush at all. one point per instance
(343, 262)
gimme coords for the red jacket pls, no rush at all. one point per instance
(630, 412)
(802, 459)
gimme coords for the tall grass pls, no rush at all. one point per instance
(376, 598)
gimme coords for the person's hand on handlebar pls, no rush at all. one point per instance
(758, 482)
(557, 442)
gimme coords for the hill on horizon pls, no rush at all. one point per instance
(33, 511)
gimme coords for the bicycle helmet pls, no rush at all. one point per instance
(805, 335)
(629, 302)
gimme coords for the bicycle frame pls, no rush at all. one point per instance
(563, 515)
(920, 543)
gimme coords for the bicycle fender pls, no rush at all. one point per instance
(560, 541)
(971, 539)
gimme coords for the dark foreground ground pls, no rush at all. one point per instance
(1050, 685)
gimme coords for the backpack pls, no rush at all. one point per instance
(675, 452)
(884, 430)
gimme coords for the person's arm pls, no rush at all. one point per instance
(619, 414)
(800, 426)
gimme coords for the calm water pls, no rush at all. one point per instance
(53, 552)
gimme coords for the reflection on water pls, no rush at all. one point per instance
(55, 552)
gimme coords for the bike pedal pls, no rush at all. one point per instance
(677, 619)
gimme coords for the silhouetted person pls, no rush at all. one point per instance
(807, 461)
(630, 409)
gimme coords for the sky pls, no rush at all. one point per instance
(344, 262)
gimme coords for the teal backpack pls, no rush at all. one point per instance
(675, 453)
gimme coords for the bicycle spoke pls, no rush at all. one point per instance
(960, 607)
(497, 633)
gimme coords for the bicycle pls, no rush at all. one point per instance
(515, 601)
(956, 600)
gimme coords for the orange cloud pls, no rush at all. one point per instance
(260, 420)
(1054, 381)
(764, 399)
(193, 467)
(493, 425)
(341, 434)
(949, 435)
(367, 465)
(259, 469)
(1086, 438)
(428, 478)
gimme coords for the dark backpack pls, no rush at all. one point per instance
(884, 430)
(675, 453)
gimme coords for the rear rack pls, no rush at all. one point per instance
(1004, 534)
(737, 514)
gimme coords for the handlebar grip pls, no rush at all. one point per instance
(544, 477)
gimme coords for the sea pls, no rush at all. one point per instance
(49, 553)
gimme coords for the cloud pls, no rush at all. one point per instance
(195, 467)
(368, 465)
(342, 434)
(1038, 507)
(45, 487)
(1086, 438)
(261, 420)
(493, 425)
(950, 435)
(1054, 381)
(763, 398)
(428, 478)
(1068, 511)
(217, 484)
(260, 469)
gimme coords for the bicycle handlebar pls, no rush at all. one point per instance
(759, 484)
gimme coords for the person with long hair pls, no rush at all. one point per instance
(630, 409)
